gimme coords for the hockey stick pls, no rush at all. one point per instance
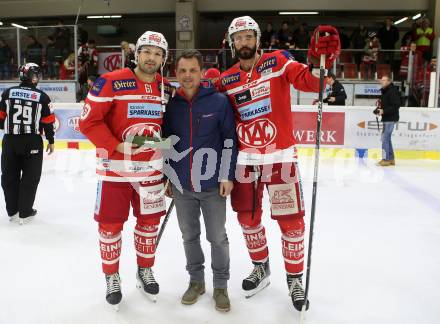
(154, 143)
(164, 223)
(315, 184)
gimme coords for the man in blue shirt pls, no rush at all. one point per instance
(201, 170)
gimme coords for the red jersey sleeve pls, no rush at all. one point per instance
(98, 104)
(297, 74)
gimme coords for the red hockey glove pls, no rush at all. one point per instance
(325, 40)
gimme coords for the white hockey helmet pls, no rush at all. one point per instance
(243, 23)
(152, 38)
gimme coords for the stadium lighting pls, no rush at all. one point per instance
(298, 13)
(104, 17)
(19, 26)
(416, 16)
(400, 20)
(1, 23)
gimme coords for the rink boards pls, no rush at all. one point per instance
(348, 131)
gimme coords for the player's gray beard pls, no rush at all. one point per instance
(247, 56)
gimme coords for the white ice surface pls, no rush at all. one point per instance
(376, 254)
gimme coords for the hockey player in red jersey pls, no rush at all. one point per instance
(259, 89)
(120, 105)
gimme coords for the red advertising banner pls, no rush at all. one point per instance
(332, 129)
(109, 61)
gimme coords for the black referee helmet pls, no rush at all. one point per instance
(28, 71)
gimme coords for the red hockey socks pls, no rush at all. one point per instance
(145, 236)
(293, 244)
(254, 235)
(110, 243)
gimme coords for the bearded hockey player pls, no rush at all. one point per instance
(120, 105)
(259, 89)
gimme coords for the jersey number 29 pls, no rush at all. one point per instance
(23, 114)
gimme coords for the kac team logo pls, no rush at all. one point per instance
(258, 133)
(113, 62)
(240, 23)
(155, 38)
(143, 129)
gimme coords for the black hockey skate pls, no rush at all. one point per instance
(296, 291)
(257, 280)
(14, 218)
(113, 294)
(27, 219)
(147, 283)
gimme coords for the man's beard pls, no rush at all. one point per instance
(149, 70)
(246, 53)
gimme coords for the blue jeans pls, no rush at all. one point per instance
(213, 207)
(387, 146)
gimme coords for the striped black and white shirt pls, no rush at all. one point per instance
(26, 110)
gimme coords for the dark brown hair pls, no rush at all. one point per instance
(189, 54)
(331, 75)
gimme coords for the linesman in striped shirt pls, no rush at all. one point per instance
(25, 113)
